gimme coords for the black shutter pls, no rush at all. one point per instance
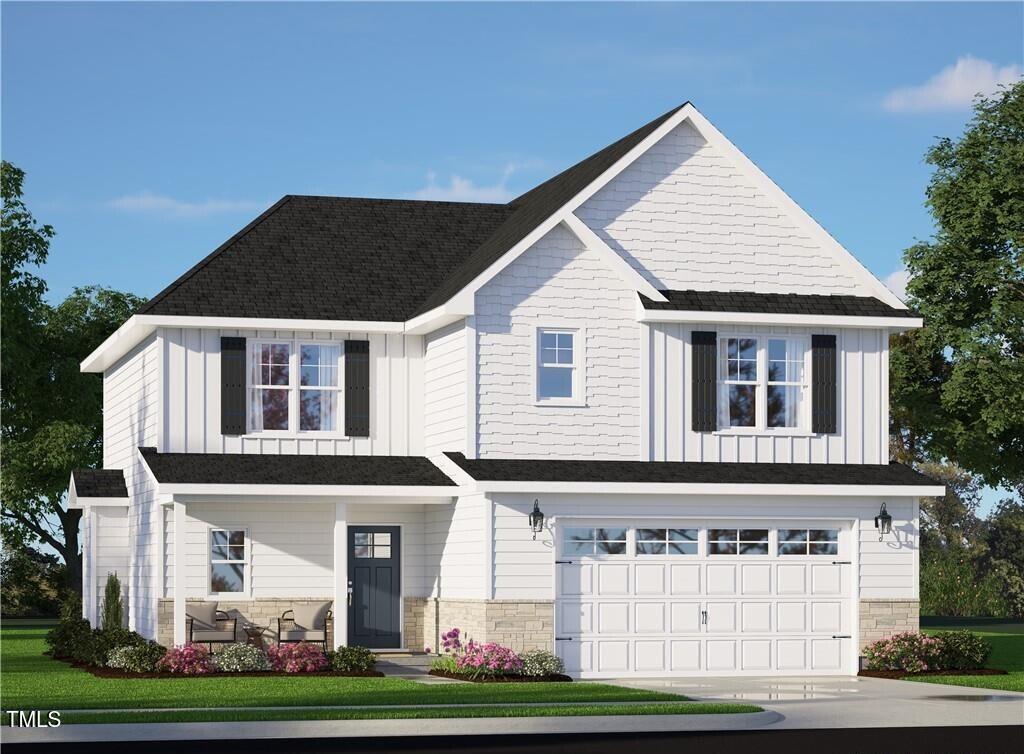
(823, 384)
(357, 388)
(232, 386)
(704, 347)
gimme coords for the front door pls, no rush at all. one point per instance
(374, 572)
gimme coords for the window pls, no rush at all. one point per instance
(372, 544)
(227, 561)
(586, 541)
(666, 541)
(558, 373)
(737, 541)
(762, 382)
(291, 378)
(808, 541)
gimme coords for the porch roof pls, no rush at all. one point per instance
(97, 487)
(302, 470)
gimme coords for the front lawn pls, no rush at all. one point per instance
(1007, 640)
(32, 680)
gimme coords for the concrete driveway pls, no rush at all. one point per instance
(852, 702)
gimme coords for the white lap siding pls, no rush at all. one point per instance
(862, 432)
(557, 283)
(525, 569)
(444, 389)
(111, 551)
(456, 549)
(192, 401)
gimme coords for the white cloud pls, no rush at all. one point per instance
(954, 87)
(897, 281)
(462, 189)
(149, 203)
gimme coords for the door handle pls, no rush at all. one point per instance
(350, 594)
(703, 617)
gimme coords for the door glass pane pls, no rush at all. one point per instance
(792, 548)
(361, 538)
(682, 548)
(824, 548)
(792, 535)
(614, 534)
(382, 538)
(578, 548)
(650, 534)
(754, 535)
(382, 551)
(650, 548)
(683, 535)
(722, 548)
(577, 535)
(753, 548)
(227, 577)
(825, 535)
(611, 548)
(361, 551)
(722, 535)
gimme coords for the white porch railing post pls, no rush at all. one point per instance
(340, 574)
(179, 573)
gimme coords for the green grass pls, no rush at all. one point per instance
(575, 710)
(1007, 640)
(31, 680)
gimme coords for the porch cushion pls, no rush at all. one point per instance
(228, 635)
(311, 617)
(203, 615)
(304, 635)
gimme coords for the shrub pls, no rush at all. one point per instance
(488, 659)
(136, 658)
(241, 658)
(70, 638)
(297, 658)
(190, 659)
(539, 662)
(912, 652)
(113, 610)
(953, 583)
(961, 650)
(352, 659)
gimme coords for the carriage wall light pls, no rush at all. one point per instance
(536, 519)
(883, 522)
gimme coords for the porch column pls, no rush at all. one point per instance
(340, 574)
(179, 573)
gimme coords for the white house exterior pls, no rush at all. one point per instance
(362, 401)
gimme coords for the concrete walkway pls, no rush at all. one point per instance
(852, 702)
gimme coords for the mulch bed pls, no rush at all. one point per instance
(558, 678)
(101, 672)
(900, 674)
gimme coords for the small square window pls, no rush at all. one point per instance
(557, 369)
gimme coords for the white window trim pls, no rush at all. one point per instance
(803, 428)
(294, 390)
(579, 392)
(246, 570)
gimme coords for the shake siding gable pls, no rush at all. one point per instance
(558, 283)
(687, 218)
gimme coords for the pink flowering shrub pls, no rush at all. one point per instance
(190, 659)
(912, 652)
(296, 658)
(474, 659)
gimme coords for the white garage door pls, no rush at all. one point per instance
(675, 598)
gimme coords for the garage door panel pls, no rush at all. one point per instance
(575, 617)
(756, 654)
(756, 617)
(827, 617)
(649, 656)
(685, 655)
(791, 654)
(826, 579)
(649, 579)
(721, 617)
(721, 655)
(721, 578)
(791, 578)
(613, 618)
(826, 654)
(577, 579)
(577, 656)
(756, 579)
(685, 617)
(612, 656)
(649, 617)
(791, 617)
(612, 579)
(686, 579)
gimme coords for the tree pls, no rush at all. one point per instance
(52, 413)
(1006, 550)
(113, 609)
(958, 384)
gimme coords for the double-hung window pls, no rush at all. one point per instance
(228, 560)
(762, 383)
(558, 366)
(294, 386)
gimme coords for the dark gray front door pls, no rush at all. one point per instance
(374, 572)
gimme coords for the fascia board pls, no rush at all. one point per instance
(306, 490)
(792, 320)
(761, 490)
(625, 270)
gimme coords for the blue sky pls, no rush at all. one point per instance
(152, 132)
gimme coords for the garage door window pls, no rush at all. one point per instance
(808, 541)
(737, 541)
(666, 541)
(586, 541)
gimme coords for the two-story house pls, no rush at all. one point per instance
(637, 416)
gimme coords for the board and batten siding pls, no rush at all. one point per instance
(291, 545)
(191, 407)
(444, 389)
(557, 283)
(862, 434)
(524, 568)
(687, 218)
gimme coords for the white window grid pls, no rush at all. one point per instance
(589, 535)
(575, 365)
(228, 560)
(761, 366)
(295, 387)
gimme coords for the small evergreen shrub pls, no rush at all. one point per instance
(910, 651)
(113, 610)
(961, 650)
(105, 640)
(70, 638)
(352, 659)
(297, 658)
(241, 658)
(139, 658)
(190, 659)
(539, 662)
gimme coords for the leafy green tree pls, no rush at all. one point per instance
(1006, 550)
(958, 384)
(52, 413)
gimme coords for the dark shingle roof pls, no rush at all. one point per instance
(230, 468)
(99, 483)
(640, 472)
(316, 257)
(775, 303)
